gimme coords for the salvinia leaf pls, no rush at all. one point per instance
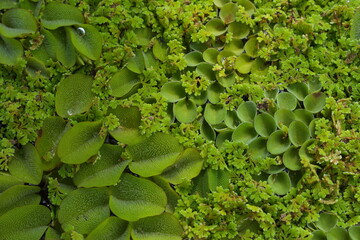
(81, 142)
(17, 22)
(112, 228)
(11, 50)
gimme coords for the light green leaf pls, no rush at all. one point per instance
(7, 181)
(84, 209)
(239, 30)
(81, 142)
(129, 119)
(52, 131)
(216, 26)
(280, 183)
(136, 64)
(123, 82)
(161, 227)
(214, 113)
(209, 180)
(26, 222)
(171, 195)
(134, 198)
(87, 40)
(185, 111)
(315, 102)
(73, 95)
(247, 111)
(243, 63)
(26, 165)
(160, 50)
(105, 171)
(173, 91)
(278, 142)
(154, 154)
(244, 133)
(264, 124)
(112, 228)
(17, 22)
(11, 50)
(192, 59)
(286, 100)
(59, 15)
(327, 221)
(337, 234)
(187, 166)
(6, 4)
(17, 196)
(228, 12)
(291, 159)
(298, 133)
(65, 51)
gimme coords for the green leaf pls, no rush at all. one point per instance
(244, 133)
(300, 90)
(228, 12)
(298, 133)
(11, 51)
(247, 111)
(87, 40)
(327, 221)
(249, 6)
(214, 91)
(216, 26)
(171, 195)
(214, 113)
(105, 171)
(6, 4)
(284, 116)
(84, 209)
(26, 165)
(252, 47)
(187, 166)
(205, 70)
(65, 51)
(35, 67)
(7, 181)
(17, 22)
(210, 55)
(286, 100)
(243, 63)
(143, 36)
(264, 124)
(337, 234)
(134, 198)
(17, 196)
(236, 46)
(280, 183)
(161, 227)
(318, 235)
(129, 119)
(185, 111)
(26, 222)
(154, 154)
(81, 142)
(59, 15)
(278, 142)
(354, 232)
(231, 119)
(291, 159)
(136, 63)
(220, 3)
(160, 50)
(173, 91)
(315, 102)
(304, 116)
(257, 149)
(239, 30)
(192, 59)
(210, 179)
(304, 153)
(123, 82)
(207, 131)
(223, 136)
(111, 228)
(355, 28)
(52, 131)
(73, 95)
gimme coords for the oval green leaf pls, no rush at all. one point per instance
(280, 183)
(300, 90)
(17, 22)
(187, 166)
(84, 209)
(123, 82)
(210, 55)
(161, 227)
(11, 51)
(239, 30)
(304, 116)
(65, 51)
(228, 12)
(154, 154)
(298, 133)
(264, 124)
(134, 198)
(252, 47)
(185, 111)
(244, 133)
(354, 232)
(81, 142)
(26, 222)
(231, 119)
(337, 234)
(327, 221)
(26, 165)
(315, 102)
(304, 153)
(207, 131)
(216, 27)
(105, 171)
(257, 149)
(291, 159)
(214, 91)
(73, 95)
(286, 100)
(173, 91)
(247, 111)
(86, 40)
(214, 113)
(192, 59)
(284, 116)
(278, 142)
(111, 228)
(58, 15)
(243, 63)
